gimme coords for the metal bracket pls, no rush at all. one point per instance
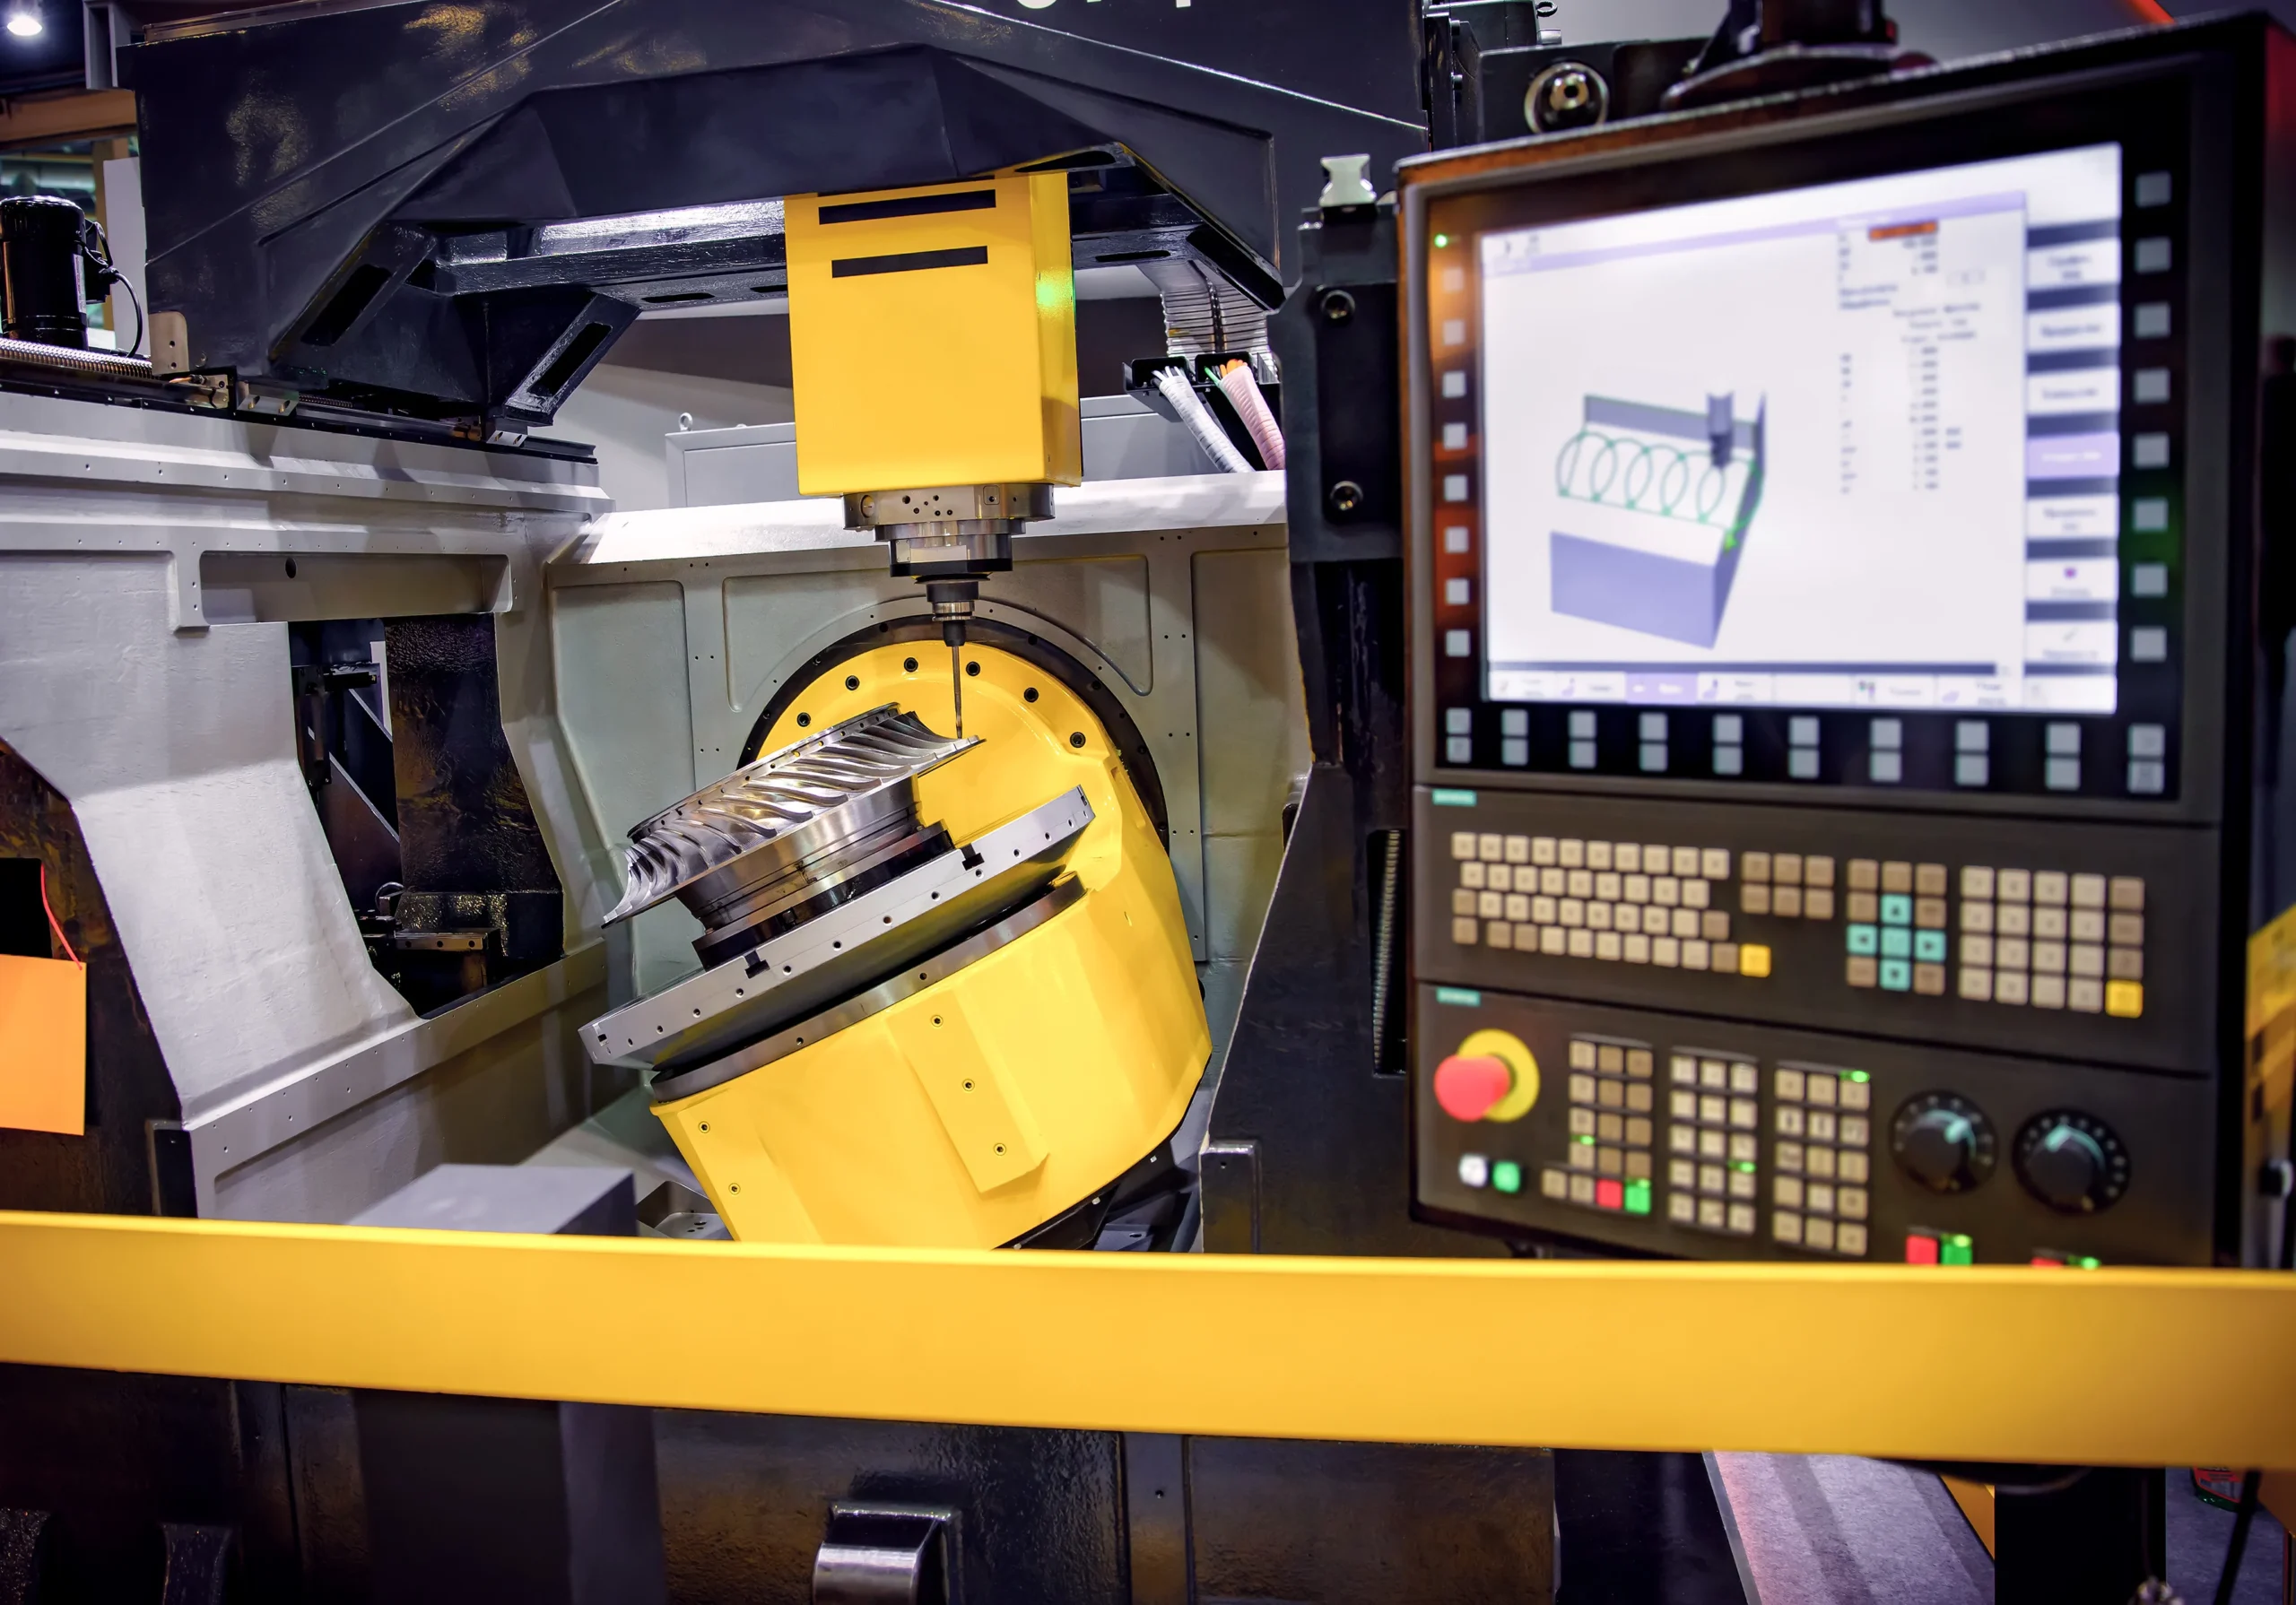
(889, 1555)
(207, 390)
(1157, 1536)
(1230, 1185)
(269, 400)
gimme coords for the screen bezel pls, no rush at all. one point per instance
(2149, 113)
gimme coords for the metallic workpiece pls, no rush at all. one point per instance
(2089, 1368)
(880, 930)
(789, 825)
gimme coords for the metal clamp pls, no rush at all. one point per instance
(888, 1554)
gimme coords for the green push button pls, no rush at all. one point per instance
(1638, 1198)
(1957, 1249)
(1897, 942)
(1897, 909)
(1507, 1177)
(1864, 940)
(1929, 946)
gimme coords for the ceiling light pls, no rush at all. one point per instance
(24, 23)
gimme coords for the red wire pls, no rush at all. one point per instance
(53, 924)
(2152, 11)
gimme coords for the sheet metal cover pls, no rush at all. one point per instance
(766, 804)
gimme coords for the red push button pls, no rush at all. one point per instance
(1609, 1195)
(1468, 1088)
(1920, 1249)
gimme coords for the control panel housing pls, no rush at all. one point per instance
(1947, 961)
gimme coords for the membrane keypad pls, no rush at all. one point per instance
(1820, 1158)
(1713, 1141)
(1612, 1087)
(1616, 902)
(2042, 939)
(2045, 939)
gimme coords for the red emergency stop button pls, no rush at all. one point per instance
(1469, 1086)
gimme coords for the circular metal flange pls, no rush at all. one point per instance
(764, 837)
(849, 948)
(905, 983)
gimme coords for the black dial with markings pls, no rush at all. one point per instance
(2072, 1161)
(1943, 1141)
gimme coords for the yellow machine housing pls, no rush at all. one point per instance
(932, 336)
(988, 1103)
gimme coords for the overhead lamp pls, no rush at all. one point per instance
(23, 21)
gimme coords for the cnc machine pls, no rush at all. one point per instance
(1784, 645)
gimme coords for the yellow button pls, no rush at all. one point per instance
(1753, 960)
(1516, 1055)
(2124, 998)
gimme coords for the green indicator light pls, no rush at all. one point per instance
(1441, 240)
(2087, 1262)
(1464, 997)
(1742, 1165)
(1638, 1198)
(1859, 1075)
(1589, 1141)
(1446, 797)
(1507, 1177)
(1956, 1250)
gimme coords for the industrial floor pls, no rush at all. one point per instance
(1825, 1530)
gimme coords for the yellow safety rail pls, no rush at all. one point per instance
(2111, 1366)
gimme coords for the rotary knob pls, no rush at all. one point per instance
(2072, 1162)
(1943, 1141)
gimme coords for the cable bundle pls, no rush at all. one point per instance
(1173, 384)
(1241, 389)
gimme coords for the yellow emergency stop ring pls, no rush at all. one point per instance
(1515, 1054)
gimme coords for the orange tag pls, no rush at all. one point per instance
(43, 1045)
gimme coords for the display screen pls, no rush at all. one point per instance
(1856, 445)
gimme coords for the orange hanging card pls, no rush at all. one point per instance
(43, 1045)
(44, 1039)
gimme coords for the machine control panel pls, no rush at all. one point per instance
(2029, 948)
(1682, 1135)
(1819, 775)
